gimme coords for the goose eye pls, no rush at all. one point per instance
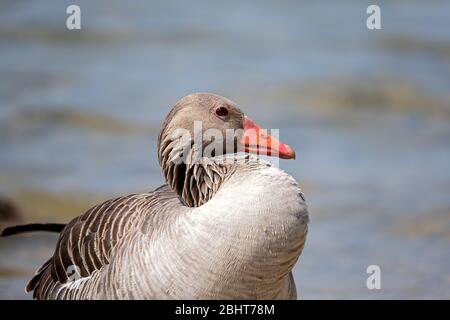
(221, 112)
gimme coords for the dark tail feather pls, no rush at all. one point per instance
(51, 227)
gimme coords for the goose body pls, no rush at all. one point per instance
(224, 227)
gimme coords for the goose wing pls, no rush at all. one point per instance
(87, 243)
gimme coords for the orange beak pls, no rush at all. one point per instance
(257, 140)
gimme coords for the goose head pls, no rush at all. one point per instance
(200, 127)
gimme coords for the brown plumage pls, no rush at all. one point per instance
(223, 226)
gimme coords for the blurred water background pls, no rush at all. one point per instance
(367, 111)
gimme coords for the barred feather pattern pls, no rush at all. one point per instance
(86, 245)
(153, 246)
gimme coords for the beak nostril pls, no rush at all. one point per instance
(264, 143)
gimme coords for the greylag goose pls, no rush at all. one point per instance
(227, 225)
